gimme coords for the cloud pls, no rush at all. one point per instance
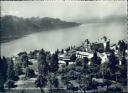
(69, 10)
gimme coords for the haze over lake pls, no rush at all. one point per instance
(62, 38)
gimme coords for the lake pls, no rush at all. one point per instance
(62, 38)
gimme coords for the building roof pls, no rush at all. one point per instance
(89, 55)
(66, 59)
(83, 53)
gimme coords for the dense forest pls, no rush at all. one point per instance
(14, 27)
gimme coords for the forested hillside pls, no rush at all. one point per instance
(14, 27)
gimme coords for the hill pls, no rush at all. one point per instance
(13, 27)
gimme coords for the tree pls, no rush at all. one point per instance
(83, 87)
(85, 61)
(78, 62)
(94, 84)
(113, 61)
(105, 70)
(85, 83)
(54, 82)
(87, 41)
(29, 73)
(95, 59)
(24, 59)
(70, 86)
(3, 73)
(116, 88)
(72, 75)
(123, 71)
(33, 54)
(44, 69)
(107, 46)
(48, 58)
(43, 66)
(57, 51)
(10, 71)
(10, 84)
(41, 82)
(62, 51)
(122, 47)
(107, 83)
(18, 69)
(123, 61)
(67, 49)
(54, 65)
(73, 57)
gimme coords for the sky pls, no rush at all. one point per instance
(66, 10)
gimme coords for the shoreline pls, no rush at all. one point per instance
(12, 38)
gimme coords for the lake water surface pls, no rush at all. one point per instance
(62, 38)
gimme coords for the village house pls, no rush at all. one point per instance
(103, 56)
(64, 59)
(102, 44)
(80, 54)
(113, 46)
(86, 46)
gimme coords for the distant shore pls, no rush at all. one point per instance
(15, 27)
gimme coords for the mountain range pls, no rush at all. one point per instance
(13, 27)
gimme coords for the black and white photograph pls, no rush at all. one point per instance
(63, 46)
